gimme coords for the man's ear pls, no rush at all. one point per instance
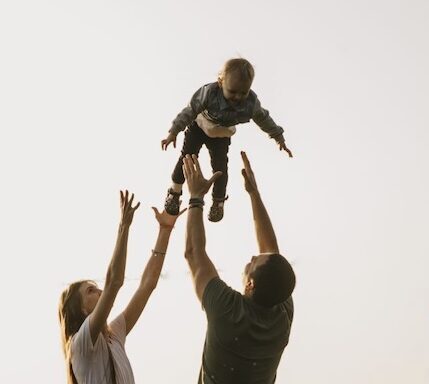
(250, 286)
(219, 81)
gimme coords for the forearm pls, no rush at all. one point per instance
(116, 270)
(195, 232)
(153, 268)
(183, 119)
(201, 267)
(263, 119)
(149, 279)
(265, 234)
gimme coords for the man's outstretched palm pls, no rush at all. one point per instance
(198, 186)
(248, 175)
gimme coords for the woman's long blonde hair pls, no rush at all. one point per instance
(71, 318)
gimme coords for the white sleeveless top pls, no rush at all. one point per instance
(91, 363)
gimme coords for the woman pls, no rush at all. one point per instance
(94, 350)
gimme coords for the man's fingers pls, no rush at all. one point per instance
(197, 164)
(174, 143)
(215, 176)
(245, 160)
(182, 211)
(187, 166)
(137, 205)
(245, 175)
(155, 210)
(185, 172)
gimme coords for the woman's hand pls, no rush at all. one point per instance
(164, 219)
(127, 210)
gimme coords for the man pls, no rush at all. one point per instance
(246, 333)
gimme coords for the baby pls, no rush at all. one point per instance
(210, 119)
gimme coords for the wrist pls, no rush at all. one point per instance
(165, 227)
(123, 227)
(196, 202)
(254, 194)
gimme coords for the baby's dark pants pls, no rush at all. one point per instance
(218, 148)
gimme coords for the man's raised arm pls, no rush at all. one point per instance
(265, 235)
(202, 268)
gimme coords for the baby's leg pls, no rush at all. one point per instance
(218, 149)
(194, 139)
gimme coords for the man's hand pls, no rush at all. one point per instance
(248, 175)
(282, 147)
(171, 138)
(127, 210)
(198, 186)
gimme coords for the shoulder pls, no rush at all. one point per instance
(219, 298)
(81, 340)
(252, 100)
(252, 95)
(206, 92)
(212, 86)
(118, 327)
(209, 88)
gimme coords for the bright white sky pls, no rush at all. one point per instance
(88, 90)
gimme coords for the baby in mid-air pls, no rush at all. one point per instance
(210, 119)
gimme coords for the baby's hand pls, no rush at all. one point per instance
(282, 147)
(171, 138)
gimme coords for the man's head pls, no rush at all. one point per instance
(268, 279)
(235, 79)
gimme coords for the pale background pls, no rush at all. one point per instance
(88, 90)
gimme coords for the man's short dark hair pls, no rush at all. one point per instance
(274, 281)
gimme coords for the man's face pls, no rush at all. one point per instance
(234, 89)
(255, 262)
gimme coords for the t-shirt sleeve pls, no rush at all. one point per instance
(219, 299)
(119, 328)
(82, 342)
(288, 308)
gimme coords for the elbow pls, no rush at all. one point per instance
(115, 281)
(113, 285)
(189, 253)
(149, 285)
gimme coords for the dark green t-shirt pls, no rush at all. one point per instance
(244, 341)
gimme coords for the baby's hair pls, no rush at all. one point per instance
(240, 67)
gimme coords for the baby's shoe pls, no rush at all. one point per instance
(216, 210)
(172, 202)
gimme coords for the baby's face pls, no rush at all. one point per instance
(235, 90)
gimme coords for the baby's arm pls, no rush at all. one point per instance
(186, 116)
(263, 119)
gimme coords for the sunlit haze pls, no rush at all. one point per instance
(89, 88)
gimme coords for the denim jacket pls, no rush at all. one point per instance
(209, 101)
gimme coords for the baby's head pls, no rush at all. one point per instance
(235, 79)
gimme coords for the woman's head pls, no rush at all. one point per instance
(76, 303)
(71, 318)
